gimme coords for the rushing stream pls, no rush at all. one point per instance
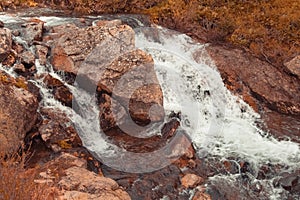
(219, 124)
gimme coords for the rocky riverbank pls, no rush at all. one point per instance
(57, 153)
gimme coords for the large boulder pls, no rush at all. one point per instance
(105, 56)
(72, 44)
(18, 112)
(132, 81)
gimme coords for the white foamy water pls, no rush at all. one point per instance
(216, 122)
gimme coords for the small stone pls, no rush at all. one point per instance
(192, 164)
(16, 33)
(28, 59)
(294, 66)
(9, 60)
(201, 196)
(63, 95)
(1, 24)
(19, 68)
(191, 180)
(52, 82)
(82, 20)
(42, 53)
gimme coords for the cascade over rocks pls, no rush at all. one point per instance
(269, 91)
(103, 57)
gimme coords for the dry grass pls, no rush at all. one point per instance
(17, 183)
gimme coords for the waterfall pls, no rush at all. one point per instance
(218, 123)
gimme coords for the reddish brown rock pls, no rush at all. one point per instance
(42, 52)
(59, 90)
(201, 196)
(132, 81)
(10, 59)
(110, 23)
(18, 112)
(5, 43)
(33, 31)
(293, 66)
(109, 116)
(80, 182)
(63, 95)
(67, 49)
(27, 58)
(58, 131)
(61, 61)
(191, 180)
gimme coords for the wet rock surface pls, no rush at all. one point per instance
(59, 90)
